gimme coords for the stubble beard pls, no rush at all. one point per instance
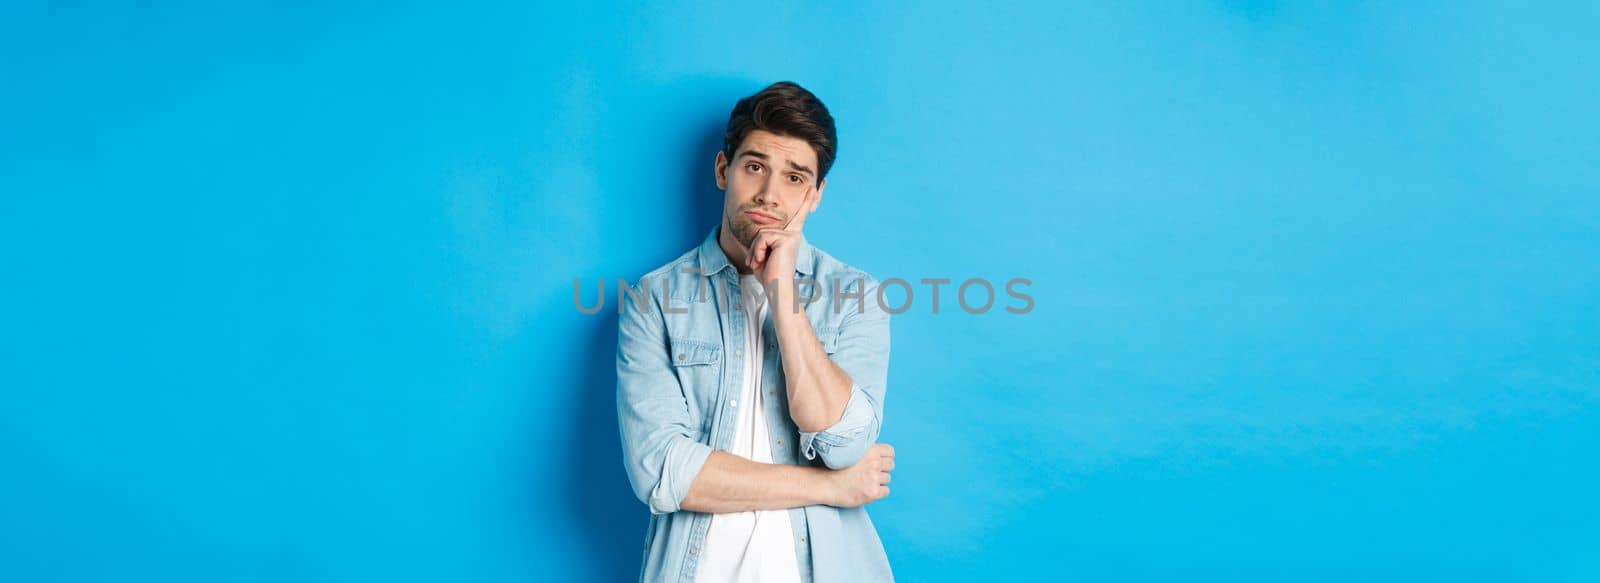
(744, 230)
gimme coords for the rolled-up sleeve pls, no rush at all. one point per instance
(861, 349)
(659, 450)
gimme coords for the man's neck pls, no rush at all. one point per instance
(733, 249)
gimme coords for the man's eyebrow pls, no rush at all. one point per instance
(764, 156)
(801, 168)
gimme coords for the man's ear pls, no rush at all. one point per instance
(817, 198)
(720, 169)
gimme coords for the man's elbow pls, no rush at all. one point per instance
(646, 482)
(812, 424)
(843, 457)
(647, 489)
(841, 444)
(663, 485)
(838, 448)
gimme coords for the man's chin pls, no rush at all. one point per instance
(745, 232)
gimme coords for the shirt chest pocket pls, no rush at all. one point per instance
(698, 365)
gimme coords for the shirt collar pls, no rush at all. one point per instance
(713, 260)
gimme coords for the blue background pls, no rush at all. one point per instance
(287, 287)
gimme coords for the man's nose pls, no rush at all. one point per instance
(767, 188)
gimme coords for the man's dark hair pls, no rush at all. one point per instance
(786, 109)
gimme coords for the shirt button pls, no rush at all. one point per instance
(733, 402)
(694, 550)
(780, 442)
(681, 356)
(738, 351)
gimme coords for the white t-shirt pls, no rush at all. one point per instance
(747, 547)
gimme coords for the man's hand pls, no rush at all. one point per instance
(865, 482)
(772, 251)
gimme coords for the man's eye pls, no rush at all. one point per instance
(794, 179)
(753, 167)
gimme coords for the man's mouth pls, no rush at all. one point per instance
(761, 218)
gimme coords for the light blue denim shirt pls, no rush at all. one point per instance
(680, 345)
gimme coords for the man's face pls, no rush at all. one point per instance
(766, 182)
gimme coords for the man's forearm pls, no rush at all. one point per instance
(818, 389)
(729, 483)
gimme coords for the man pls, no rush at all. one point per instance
(751, 373)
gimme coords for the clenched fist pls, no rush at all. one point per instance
(865, 482)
